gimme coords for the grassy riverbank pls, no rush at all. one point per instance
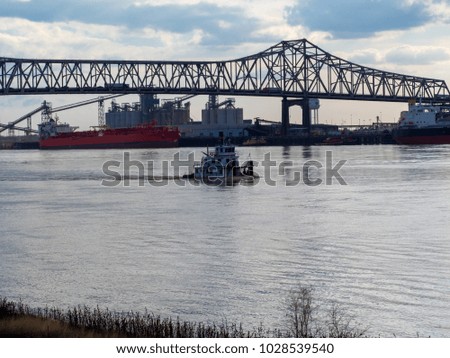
(19, 320)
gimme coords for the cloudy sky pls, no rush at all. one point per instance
(406, 36)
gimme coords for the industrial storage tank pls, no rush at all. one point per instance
(124, 115)
(171, 113)
(223, 116)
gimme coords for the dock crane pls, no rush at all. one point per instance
(213, 103)
(27, 130)
(12, 125)
(46, 109)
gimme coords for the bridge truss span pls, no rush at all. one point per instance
(297, 69)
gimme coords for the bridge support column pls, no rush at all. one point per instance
(284, 116)
(306, 113)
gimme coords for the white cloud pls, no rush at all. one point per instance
(224, 24)
(28, 39)
(418, 55)
(369, 57)
(439, 10)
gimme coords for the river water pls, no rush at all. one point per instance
(375, 240)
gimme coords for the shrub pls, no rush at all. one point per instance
(305, 320)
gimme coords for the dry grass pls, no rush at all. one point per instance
(35, 327)
(19, 320)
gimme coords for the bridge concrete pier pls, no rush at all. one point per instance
(306, 113)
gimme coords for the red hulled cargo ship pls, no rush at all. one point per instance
(62, 136)
(423, 124)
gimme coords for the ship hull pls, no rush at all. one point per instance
(436, 135)
(148, 137)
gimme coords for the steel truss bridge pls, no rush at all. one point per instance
(295, 71)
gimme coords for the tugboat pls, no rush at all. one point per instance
(221, 167)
